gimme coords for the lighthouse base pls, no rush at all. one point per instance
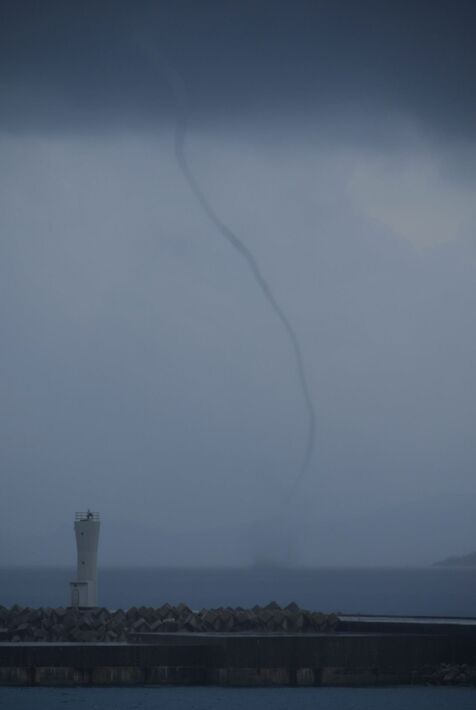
(83, 593)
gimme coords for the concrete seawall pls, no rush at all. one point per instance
(340, 659)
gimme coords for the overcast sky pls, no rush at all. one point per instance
(143, 374)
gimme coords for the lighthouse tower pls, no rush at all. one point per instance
(84, 587)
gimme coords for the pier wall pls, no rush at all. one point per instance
(248, 660)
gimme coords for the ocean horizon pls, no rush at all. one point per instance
(425, 591)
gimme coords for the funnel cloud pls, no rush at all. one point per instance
(177, 87)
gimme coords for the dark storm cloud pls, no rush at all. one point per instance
(71, 65)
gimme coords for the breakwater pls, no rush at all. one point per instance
(99, 624)
(345, 651)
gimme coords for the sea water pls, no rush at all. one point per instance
(431, 591)
(238, 699)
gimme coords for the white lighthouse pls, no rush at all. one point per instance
(84, 587)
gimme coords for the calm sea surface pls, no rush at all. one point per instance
(238, 699)
(431, 591)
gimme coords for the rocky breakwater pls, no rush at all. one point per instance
(448, 674)
(71, 624)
